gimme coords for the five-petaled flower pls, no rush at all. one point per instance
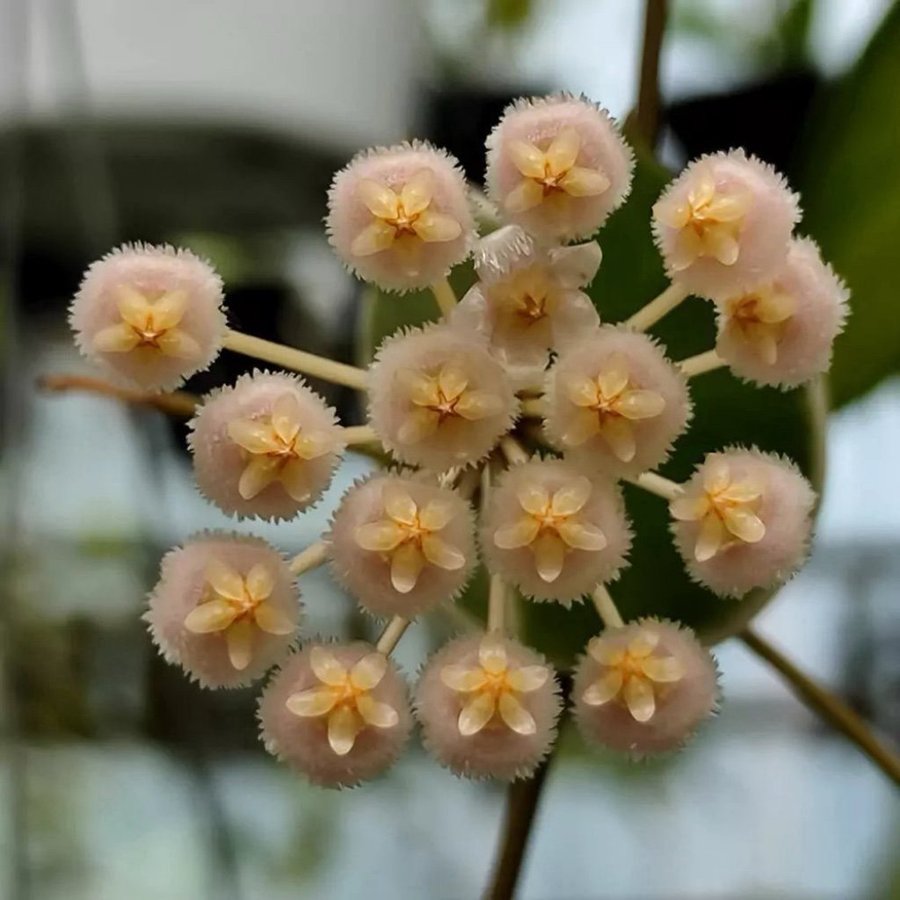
(493, 687)
(402, 219)
(726, 508)
(148, 324)
(551, 171)
(277, 448)
(409, 537)
(235, 605)
(344, 697)
(607, 405)
(551, 525)
(632, 675)
(708, 222)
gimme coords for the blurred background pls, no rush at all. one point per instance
(218, 125)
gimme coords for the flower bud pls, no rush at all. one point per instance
(553, 532)
(724, 224)
(614, 401)
(643, 689)
(225, 608)
(438, 399)
(337, 713)
(150, 314)
(488, 707)
(265, 447)
(781, 333)
(399, 217)
(535, 308)
(402, 545)
(743, 521)
(558, 166)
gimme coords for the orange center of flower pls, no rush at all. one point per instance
(632, 674)
(409, 537)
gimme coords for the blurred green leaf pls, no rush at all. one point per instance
(849, 175)
(508, 14)
(726, 412)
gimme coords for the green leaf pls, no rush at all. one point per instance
(726, 412)
(849, 176)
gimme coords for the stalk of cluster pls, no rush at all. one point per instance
(443, 400)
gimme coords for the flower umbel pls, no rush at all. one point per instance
(409, 537)
(277, 447)
(343, 697)
(632, 675)
(727, 509)
(493, 687)
(609, 403)
(551, 526)
(234, 605)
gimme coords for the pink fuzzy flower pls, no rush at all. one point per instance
(438, 399)
(614, 401)
(402, 545)
(265, 447)
(337, 713)
(558, 166)
(744, 521)
(645, 688)
(399, 217)
(225, 608)
(782, 333)
(724, 224)
(535, 308)
(150, 314)
(488, 707)
(553, 532)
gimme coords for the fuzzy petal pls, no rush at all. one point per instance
(515, 715)
(407, 563)
(744, 524)
(368, 671)
(462, 679)
(272, 620)
(326, 667)
(549, 556)
(524, 197)
(604, 689)
(344, 724)
(378, 198)
(710, 538)
(582, 182)
(374, 238)
(570, 499)
(527, 158)
(379, 537)
(476, 714)
(258, 474)
(178, 344)
(492, 654)
(251, 435)
(224, 580)
(312, 703)
(375, 713)
(119, 338)
(441, 554)
(563, 151)
(639, 699)
(210, 617)
(294, 478)
(398, 504)
(527, 678)
(519, 534)
(619, 435)
(475, 405)
(640, 404)
(663, 669)
(582, 536)
(417, 192)
(436, 228)
(239, 640)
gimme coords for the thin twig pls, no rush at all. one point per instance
(708, 361)
(297, 360)
(606, 608)
(656, 484)
(391, 635)
(648, 106)
(444, 295)
(826, 705)
(658, 307)
(311, 558)
(175, 403)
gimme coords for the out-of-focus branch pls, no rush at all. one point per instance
(826, 705)
(648, 106)
(175, 403)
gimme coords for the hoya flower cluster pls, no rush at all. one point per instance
(523, 353)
